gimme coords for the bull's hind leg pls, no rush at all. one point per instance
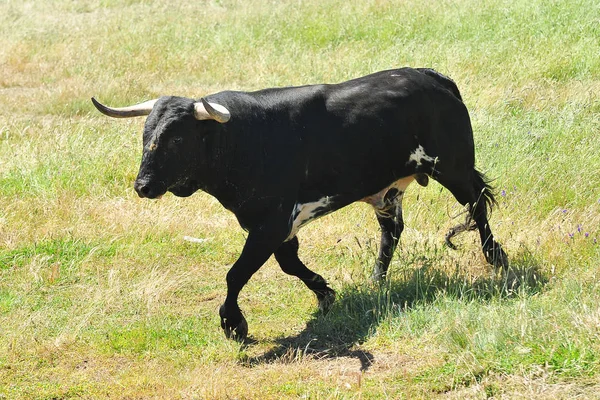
(388, 208)
(392, 225)
(477, 194)
(287, 257)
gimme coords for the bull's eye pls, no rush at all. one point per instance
(177, 140)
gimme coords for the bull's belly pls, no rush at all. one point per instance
(304, 213)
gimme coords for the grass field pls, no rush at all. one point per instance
(100, 296)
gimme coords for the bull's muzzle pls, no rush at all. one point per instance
(145, 190)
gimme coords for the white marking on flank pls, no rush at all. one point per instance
(304, 213)
(419, 156)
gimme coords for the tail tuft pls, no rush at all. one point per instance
(486, 194)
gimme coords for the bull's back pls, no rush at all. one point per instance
(358, 136)
(376, 129)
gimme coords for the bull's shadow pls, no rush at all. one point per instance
(359, 309)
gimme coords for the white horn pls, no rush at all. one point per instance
(205, 110)
(126, 112)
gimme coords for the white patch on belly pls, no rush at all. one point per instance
(419, 156)
(377, 200)
(304, 213)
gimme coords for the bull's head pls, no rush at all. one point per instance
(172, 145)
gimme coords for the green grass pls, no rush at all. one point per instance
(100, 296)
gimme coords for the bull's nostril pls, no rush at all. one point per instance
(142, 189)
(145, 190)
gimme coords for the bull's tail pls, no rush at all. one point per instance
(485, 196)
(482, 185)
(443, 79)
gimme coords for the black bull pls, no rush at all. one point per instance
(279, 158)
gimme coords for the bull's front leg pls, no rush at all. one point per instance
(260, 245)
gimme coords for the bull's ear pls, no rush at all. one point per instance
(205, 110)
(125, 112)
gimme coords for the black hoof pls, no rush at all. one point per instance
(378, 277)
(236, 329)
(496, 256)
(326, 300)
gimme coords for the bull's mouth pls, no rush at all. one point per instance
(184, 188)
(149, 191)
(157, 189)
